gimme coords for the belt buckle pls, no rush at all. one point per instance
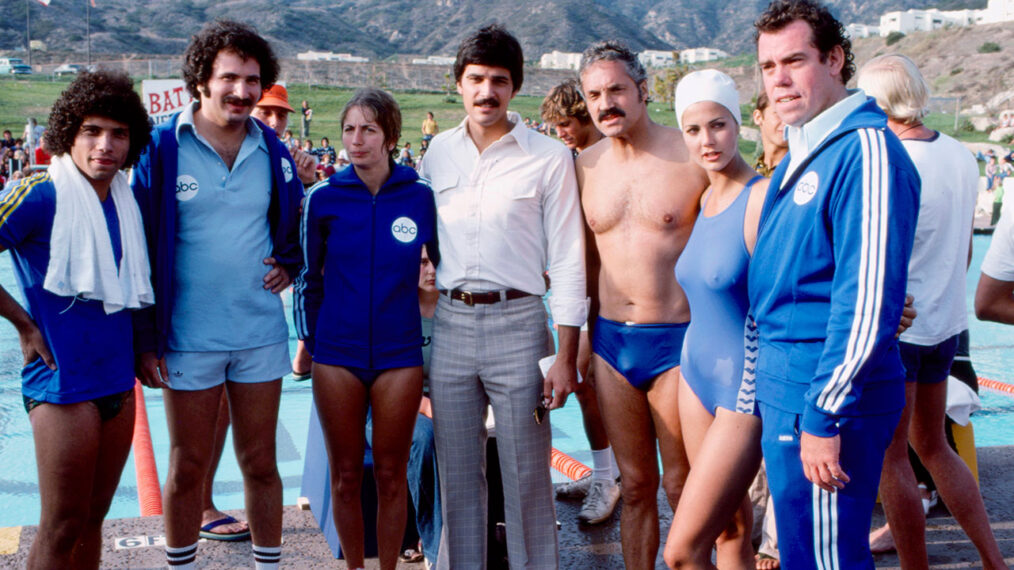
(466, 298)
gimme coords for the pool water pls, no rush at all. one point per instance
(992, 352)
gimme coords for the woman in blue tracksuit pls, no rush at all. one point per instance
(356, 306)
(720, 427)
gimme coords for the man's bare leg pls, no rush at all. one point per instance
(209, 513)
(191, 417)
(587, 397)
(254, 412)
(955, 483)
(662, 400)
(631, 423)
(71, 442)
(900, 495)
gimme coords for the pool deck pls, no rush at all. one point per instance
(584, 548)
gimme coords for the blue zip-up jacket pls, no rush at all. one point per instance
(154, 184)
(356, 302)
(827, 278)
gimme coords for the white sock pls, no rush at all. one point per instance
(615, 472)
(602, 464)
(267, 557)
(181, 558)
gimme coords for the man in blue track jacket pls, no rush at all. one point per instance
(220, 200)
(827, 287)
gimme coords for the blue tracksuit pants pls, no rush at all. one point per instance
(817, 529)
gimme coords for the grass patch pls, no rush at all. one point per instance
(23, 98)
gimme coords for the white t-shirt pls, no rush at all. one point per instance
(936, 272)
(999, 260)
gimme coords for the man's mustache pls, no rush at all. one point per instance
(611, 111)
(234, 100)
(487, 101)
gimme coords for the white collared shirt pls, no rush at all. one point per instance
(505, 215)
(802, 140)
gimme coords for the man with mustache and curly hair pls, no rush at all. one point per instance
(220, 200)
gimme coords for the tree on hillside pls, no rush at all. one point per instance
(665, 81)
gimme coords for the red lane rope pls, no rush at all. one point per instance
(149, 494)
(996, 385)
(568, 465)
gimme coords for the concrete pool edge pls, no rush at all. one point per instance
(595, 547)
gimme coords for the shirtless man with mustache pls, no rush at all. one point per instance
(640, 195)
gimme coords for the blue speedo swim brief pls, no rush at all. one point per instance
(639, 352)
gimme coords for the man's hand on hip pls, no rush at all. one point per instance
(278, 278)
(151, 370)
(819, 456)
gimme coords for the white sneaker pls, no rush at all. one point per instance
(575, 489)
(600, 502)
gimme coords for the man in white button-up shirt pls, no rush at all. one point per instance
(508, 209)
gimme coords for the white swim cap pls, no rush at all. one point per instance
(707, 85)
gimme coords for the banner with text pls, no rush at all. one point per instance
(164, 97)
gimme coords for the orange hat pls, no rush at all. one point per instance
(275, 96)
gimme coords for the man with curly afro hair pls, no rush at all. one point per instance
(220, 200)
(78, 247)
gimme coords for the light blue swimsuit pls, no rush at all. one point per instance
(712, 271)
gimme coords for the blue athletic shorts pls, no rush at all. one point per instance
(193, 371)
(928, 364)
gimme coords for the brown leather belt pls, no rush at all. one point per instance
(471, 298)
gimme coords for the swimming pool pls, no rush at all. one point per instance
(992, 352)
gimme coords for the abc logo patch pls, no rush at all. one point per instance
(806, 188)
(287, 170)
(404, 230)
(186, 187)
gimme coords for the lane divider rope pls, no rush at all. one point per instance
(149, 494)
(996, 385)
(568, 465)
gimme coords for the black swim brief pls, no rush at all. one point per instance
(109, 406)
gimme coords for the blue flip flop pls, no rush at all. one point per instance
(206, 531)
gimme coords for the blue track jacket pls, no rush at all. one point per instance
(827, 279)
(356, 302)
(154, 184)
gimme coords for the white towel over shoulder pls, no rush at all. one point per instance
(81, 261)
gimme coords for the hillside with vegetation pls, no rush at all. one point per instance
(380, 29)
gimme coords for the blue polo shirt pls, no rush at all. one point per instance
(93, 350)
(222, 238)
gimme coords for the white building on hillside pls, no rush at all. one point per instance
(434, 60)
(861, 31)
(330, 56)
(998, 11)
(701, 54)
(656, 58)
(560, 60)
(926, 20)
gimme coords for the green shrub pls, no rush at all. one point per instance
(956, 71)
(966, 126)
(989, 47)
(894, 37)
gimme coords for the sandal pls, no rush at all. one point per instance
(411, 556)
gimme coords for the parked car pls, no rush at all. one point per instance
(14, 66)
(68, 69)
